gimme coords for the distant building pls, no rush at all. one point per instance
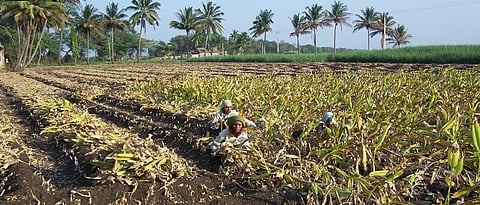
(204, 52)
(2, 57)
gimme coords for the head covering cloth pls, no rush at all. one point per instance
(232, 120)
(327, 117)
(226, 103)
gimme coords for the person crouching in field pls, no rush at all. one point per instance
(327, 122)
(233, 136)
(217, 124)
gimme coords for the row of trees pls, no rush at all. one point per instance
(27, 22)
(33, 26)
(374, 22)
(303, 23)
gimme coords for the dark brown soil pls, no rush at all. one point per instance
(46, 174)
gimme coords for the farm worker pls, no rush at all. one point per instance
(217, 124)
(233, 134)
(326, 121)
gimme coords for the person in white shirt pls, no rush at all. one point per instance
(226, 111)
(233, 134)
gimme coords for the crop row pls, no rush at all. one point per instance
(147, 122)
(77, 105)
(397, 129)
(408, 131)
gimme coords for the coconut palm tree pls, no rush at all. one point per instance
(262, 25)
(242, 42)
(233, 36)
(366, 20)
(219, 41)
(144, 11)
(198, 37)
(232, 40)
(75, 2)
(315, 18)
(187, 20)
(88, 21)
(399, 36)
(71, 6)
(299, 23)
(31, 19)
(210, 19)
(383, 26)
(113, 19)
(338, 16)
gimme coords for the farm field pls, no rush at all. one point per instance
(46, 109)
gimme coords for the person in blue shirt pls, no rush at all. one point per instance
(326, 121)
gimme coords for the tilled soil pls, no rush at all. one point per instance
(42, 172)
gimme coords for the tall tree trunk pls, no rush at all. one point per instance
(110, 51)
(384, 30)
(383, 40)
(139, 44)
(264, 43)
(59, 59)
(25, 45)
(20, 37)
(335, 39)
(74, 45)
(315, 39)
(88, 47)
(368, 38)
(188, 50)
(298, 44)
(39, 40)
(39, 57)
(112, 54)
(206, 43)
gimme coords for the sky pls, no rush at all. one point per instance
(430, 22)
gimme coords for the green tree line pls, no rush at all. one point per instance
(65, 31)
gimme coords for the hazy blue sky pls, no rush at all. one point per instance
(431, 22)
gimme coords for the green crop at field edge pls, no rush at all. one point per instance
(443, 54)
